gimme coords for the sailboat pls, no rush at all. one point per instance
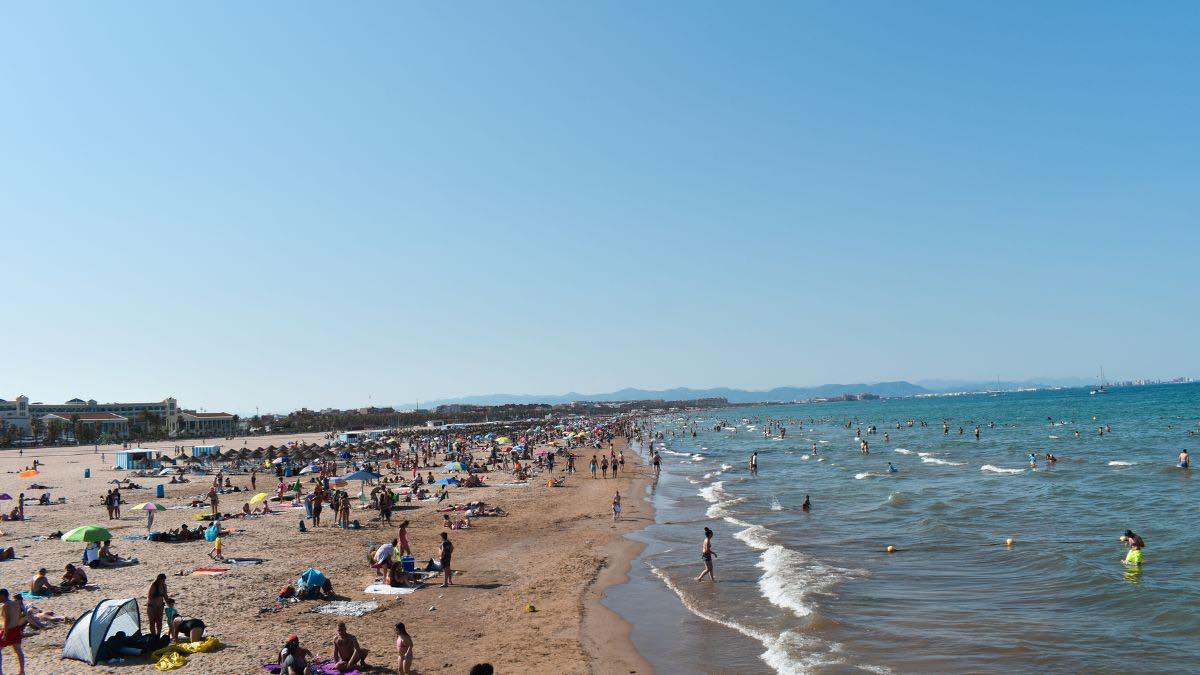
(1102, 388)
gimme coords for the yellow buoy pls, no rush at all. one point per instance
(1008, 542)
(891, 549)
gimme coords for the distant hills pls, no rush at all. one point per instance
(884, 389)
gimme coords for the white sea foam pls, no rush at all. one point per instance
(822, 441)
(1054, 437)
(708, 475)
(693, 481)
(756, 537)
(805, 456)
(996, 469)
(1117, 462)
(775, 505)
(783, 581)
(697, 458)
(935, 460)
(712, 493)
(721, 509)
(726, 467)
(678, 454)
(903, 451)
(865, 474)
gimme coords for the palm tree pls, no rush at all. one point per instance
(37, 426)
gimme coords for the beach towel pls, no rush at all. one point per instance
(384, 589)
(245, 561)
(347, 607)
(133, 537)
(209, 571)
(175, 656)
(32, 596)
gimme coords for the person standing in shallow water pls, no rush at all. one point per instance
(706, 553)
(754, 464)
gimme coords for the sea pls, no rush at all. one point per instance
(818, 591)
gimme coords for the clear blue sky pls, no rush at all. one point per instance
(287, 204)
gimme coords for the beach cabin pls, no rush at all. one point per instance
(206, 450)
(352, 436)
(138, 458)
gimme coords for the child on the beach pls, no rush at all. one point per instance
(215, 553)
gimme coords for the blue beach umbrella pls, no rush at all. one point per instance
(449, 481)
(455, 466)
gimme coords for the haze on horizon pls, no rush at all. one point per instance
(285, 205)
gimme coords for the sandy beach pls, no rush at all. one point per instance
(556, 551)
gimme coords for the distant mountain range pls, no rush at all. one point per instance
(885, 389)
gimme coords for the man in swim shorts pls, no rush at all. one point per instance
(1185, 460)
(14, 628)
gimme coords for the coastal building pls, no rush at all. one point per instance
(207, 424)
(98, 425)
(15, 414)
(148, 417)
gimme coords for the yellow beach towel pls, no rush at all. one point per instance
(175, 656)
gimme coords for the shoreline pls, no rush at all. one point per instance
(600, 626)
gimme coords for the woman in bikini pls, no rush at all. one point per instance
(402, 537)
(156, 602)
(404, 650)
(707, 554)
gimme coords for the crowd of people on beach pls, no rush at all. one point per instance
(395, 475)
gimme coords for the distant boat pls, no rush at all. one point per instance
(1103, 388)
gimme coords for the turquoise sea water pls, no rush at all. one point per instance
(817, 592)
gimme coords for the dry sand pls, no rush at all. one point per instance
(556, 551)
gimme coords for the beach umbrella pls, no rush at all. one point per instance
(277, 460)
(455, 466)
(308, 469)
(149, 506)
(29, 473)
(344, 455)
(449, 481)
(88, 533)
(258, 499)
(504, 440)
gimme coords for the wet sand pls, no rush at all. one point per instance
(557, 551)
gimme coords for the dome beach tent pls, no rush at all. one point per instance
(97, 625)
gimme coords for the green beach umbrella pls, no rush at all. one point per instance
(88, 533)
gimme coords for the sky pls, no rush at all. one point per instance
(273, 205)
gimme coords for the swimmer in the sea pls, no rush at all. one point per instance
(892, 469)
(1050, 458)
(1185, 460)
(1032, 459)
(807, 505)
(1135, 544)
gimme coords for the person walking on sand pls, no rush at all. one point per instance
(706, 553)
(14, 629)
(616, 506)
(592, 466)
(404, 650)
(445, 552)
(604, 466)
